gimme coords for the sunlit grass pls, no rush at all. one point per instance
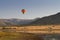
(17, 36)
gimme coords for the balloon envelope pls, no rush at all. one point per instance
(23, 11)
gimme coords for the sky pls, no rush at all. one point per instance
(34, 8)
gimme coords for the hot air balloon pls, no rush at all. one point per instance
(23, 11)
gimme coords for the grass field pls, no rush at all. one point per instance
(18, 36)
(46, 29)
(30, 32)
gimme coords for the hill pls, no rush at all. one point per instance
(14, 22)
(47, 20)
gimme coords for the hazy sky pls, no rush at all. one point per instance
(35, 8)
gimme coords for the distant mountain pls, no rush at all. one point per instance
(47, 20)
(16, 22)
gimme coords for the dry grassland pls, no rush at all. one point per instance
(34, 29)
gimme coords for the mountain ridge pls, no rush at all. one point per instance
(47, 20)
(14, 22)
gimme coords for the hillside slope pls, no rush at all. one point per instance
(48, 20)
(16, 22)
